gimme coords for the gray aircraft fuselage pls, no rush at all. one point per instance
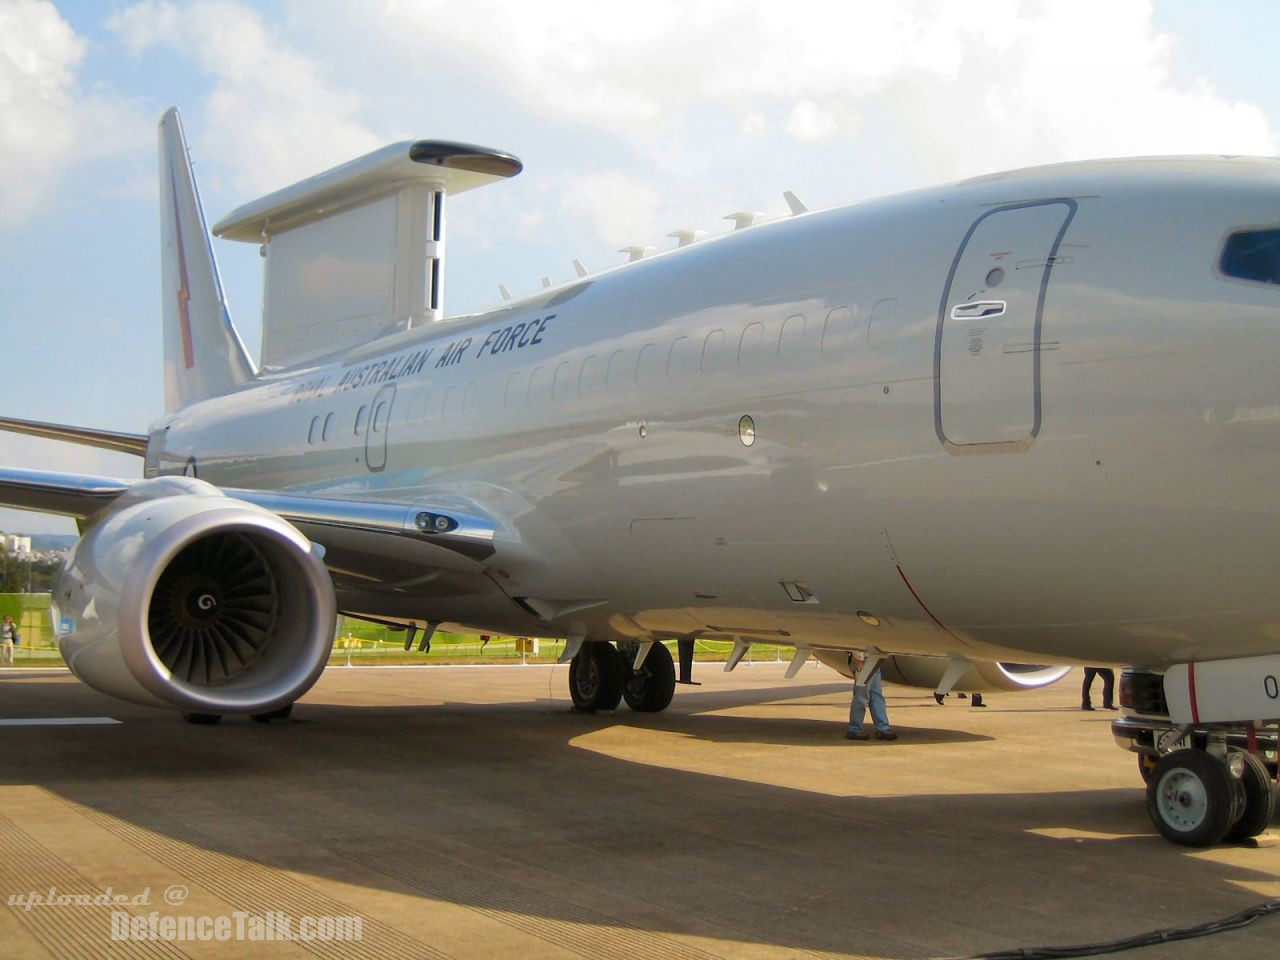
(1020, 417)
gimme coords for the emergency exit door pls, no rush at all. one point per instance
(988, 346)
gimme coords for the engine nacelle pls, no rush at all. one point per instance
(180, 596)
(927, 672)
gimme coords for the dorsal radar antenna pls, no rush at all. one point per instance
(580, 268)
(502, 289)
(373, 230)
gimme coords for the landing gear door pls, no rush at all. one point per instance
(988, 344)
(375, 438)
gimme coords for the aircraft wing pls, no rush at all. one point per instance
(134, 443)
(454, 527)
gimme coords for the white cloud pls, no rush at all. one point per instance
(1059, 77)
(809, 121)
(51, 127)
(618, 207)
(272, 117)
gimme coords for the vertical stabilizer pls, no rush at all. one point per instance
(203, 354)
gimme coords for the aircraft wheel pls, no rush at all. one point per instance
(1259, 801)
(281, 714)
(1191, 798)
(595, 677)
(649, 689)
(202, 719)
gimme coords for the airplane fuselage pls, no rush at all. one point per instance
(1021, 417)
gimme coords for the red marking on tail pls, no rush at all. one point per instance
(184, 292)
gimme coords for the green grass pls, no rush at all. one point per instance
(358, 644)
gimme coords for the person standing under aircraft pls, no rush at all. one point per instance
(8, 637)
(1108, 686)
(867, 690)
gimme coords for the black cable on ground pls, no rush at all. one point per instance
(1234, 922)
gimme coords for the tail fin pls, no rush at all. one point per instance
(203, 354)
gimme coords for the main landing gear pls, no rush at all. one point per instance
(600, 676)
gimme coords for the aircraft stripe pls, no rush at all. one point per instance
(942, 626)
(1191, 692)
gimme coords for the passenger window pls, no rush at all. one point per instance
(749, 346)
(469, 397)
(587, 376)
(536, 380)
(647, 364)
(311, 430)
(328, 422)
(713, 352)
(360, 415)
(512, 392)
(1253, 255)
(791, 337)
(448, 404)
(428, 410)
(680, 359)
(560, 381)
(617, 371)
(835, 332)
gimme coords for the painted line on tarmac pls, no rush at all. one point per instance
(56, 721)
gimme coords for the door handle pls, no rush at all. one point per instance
(978, 310)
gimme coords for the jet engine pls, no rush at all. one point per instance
(180, 596)
(927, 672)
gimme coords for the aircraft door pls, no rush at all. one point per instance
(375, 436)
(987, 348)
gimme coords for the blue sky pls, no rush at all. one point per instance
(632, 122)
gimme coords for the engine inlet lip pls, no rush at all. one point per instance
(272, 534)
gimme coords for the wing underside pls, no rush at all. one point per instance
(462, 532)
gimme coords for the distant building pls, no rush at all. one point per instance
(17, 544)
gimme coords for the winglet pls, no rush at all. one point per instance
(203, 354)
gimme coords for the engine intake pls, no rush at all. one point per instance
(183, 597)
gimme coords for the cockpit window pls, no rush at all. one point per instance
(1253, 255)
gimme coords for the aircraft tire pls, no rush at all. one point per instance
(1191, 798)
(1259, 802)
(281, 714)
(202, 719)
(649, 689)
(595, 677)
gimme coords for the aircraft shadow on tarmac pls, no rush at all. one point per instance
(493, 809)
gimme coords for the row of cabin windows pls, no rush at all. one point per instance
(683, 358)
(323, 429)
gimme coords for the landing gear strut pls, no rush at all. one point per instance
(649, 689)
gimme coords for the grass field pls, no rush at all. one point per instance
(358, 643)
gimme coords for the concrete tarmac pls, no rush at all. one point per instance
(469, 813)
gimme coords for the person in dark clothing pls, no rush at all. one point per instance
(1108, 687)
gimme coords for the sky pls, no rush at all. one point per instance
(633, 120)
